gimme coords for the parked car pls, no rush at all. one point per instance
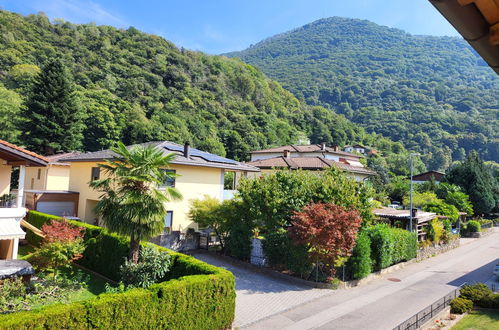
(496, 271)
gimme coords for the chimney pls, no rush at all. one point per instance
(187, 150)
(336, 148)
(287, 153)
(323, 146)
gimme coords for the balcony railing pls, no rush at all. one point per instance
(8, 201)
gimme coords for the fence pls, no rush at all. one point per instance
(420, 318)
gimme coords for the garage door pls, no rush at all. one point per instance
(56, 208)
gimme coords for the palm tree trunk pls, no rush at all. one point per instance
(134, 250)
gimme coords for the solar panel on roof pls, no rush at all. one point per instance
(205, 155)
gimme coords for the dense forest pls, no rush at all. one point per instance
(434, 94)
(137, 87)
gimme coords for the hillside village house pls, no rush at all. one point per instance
(12, 209)
(47, 188)
(428, 176)
(199, 174)
(313, 157)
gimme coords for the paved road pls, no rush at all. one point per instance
(259, 295)
(383, 304)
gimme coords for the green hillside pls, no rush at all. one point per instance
(435, 94)
(138, 87)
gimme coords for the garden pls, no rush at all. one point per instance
(147, 286)
(481, 304)
(314, 225)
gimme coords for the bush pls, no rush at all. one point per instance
(151, 268)
(405, 245)
(475, 292)
(238, 241)
(460, 305)
(38, 219)
(382, 245)
(473, 226)
(435, 230)
(359, 265)
(328, 231)
(281, 252)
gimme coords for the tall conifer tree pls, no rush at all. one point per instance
(52, 118)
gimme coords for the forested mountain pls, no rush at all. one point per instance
(435, 94)
(137, 87)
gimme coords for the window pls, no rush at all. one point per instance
(39, 174)
(95, 174)
(169, 181)
(168, 220)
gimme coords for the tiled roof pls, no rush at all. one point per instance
(305, 149)
(307, 163)
(56, 159)
(22, 152)
(196, 157)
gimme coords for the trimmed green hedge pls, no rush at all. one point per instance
(391, 245)
(359, 265)
(195, 295)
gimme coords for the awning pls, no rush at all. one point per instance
(10, 229)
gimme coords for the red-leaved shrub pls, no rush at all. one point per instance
(61, 231)
(328, 230)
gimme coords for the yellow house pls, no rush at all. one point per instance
(198, 174)
(55, 176)
(47, 188)
(12, 209)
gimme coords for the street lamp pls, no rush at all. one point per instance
(410, 193)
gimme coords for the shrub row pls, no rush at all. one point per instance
(391, 245)
(378, 247)
(195, 295)
(192, 302)
(481, 295)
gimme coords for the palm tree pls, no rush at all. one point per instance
(131, 203)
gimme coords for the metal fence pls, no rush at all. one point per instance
(420, 318)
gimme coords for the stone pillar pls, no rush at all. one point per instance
(257, 256)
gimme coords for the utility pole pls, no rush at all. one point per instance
(410, 193)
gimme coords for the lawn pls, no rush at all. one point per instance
(479, 320)
(92, 285)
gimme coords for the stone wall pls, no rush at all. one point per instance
(430, 251)
(177, 241)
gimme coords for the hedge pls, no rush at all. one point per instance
(359, 265)
(382, 245)
(194, 295)
(405, 245)
(473, 226)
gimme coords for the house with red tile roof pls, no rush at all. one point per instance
(313, 157)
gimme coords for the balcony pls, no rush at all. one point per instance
(8, 201)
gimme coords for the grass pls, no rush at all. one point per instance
(95, 285)
(479, 320)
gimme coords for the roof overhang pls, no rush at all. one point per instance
(16, 157)
(478, 22)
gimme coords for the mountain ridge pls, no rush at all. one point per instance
(434, 94)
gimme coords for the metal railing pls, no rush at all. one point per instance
(425, 315)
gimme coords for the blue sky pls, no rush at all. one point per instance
(217, 26)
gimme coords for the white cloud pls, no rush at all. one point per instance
(77, 11)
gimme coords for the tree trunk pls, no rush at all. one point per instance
(134, 250)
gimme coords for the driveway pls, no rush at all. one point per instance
(260, 295)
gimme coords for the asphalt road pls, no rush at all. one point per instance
(383, 303)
